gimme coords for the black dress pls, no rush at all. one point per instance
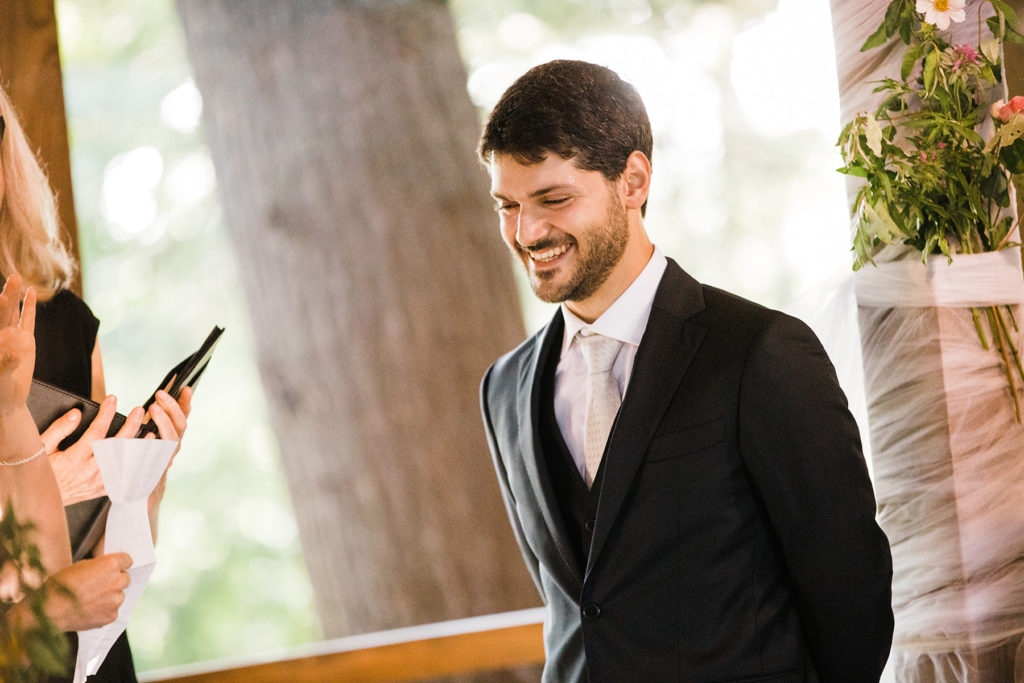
(65, 338)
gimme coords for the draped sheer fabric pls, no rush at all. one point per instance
(947, 453)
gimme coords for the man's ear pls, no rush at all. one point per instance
(636, 180)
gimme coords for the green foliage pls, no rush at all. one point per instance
(27, 654)
(929, 172)
(931, 180)
(900, 18)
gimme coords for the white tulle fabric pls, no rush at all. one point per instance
(947, 454)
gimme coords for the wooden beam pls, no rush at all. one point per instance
(494, 642)
(31, 74)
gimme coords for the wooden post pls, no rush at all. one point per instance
(31, 74)
(343, 140)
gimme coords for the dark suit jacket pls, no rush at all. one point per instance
(735, 536)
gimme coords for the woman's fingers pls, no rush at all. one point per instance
(131, 424)
(9, 298)
(164, 424)
(60, 429)
(174, 412)
(28, 312)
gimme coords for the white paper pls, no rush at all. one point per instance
(131, 469)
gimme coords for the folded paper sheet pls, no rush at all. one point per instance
(131, 469)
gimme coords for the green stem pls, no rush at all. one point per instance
(993, 317)
(977, 326)
(1009, 312)
(1009, 341)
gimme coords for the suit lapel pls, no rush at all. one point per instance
(534, 463)
(666, 350)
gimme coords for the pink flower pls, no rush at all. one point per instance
(964, 54)
(997, 106)
(1004, 110)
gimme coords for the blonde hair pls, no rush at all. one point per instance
(30, 241)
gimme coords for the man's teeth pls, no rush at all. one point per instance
(549, 254)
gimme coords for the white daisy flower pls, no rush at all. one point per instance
(941, 12)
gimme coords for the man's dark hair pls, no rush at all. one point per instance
(578, 110)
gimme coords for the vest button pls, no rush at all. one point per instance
(588, 525)
(591, 612)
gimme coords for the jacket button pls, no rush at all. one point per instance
(591, 612)
(588, 525)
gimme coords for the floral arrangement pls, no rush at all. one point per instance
(35, 652)
(932, 180)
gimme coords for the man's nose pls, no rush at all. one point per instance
(530, 229)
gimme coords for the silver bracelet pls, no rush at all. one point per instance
(13, 463)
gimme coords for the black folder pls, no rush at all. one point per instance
(87, 519)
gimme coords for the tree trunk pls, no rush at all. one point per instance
(343, 140)
(31, 74)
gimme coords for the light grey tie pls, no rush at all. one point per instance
(599, 352)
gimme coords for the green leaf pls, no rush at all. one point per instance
(993, 26)
(873, 134)
(987, 75)
(990, 47)
(876, 39)
(910, 57)
(1006, 10)
(1008, 32)
(931, 62)
(895, 20)
(994, 185)
(854, 170)
(1012, 156)
(877, 221)
(1012, 129)
(1013, 35)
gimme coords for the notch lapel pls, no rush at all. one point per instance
(666, 351)
(554, 538)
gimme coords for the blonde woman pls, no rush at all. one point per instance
(67, 354)
(27, 486)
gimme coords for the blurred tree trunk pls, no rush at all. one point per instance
(31, 74)
(343, 139)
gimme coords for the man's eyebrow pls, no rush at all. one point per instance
(536, 193)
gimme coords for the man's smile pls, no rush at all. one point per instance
(548, 255)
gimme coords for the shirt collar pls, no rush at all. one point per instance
(626, 318)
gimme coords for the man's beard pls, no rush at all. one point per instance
(595, 259)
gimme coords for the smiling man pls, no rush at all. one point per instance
(679, 465)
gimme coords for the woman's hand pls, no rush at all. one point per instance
(17, 344)
(84, 595)
(78, 474)
(171, 418)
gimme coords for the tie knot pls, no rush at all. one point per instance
(599, 351)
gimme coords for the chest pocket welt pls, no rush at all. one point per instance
(688, 440)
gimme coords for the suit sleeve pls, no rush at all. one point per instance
(802, 448)
(532, 564)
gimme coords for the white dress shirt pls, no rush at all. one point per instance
(625, 320)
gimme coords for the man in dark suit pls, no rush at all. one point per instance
(718, 525)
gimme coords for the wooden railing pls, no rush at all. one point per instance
(478, 644)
